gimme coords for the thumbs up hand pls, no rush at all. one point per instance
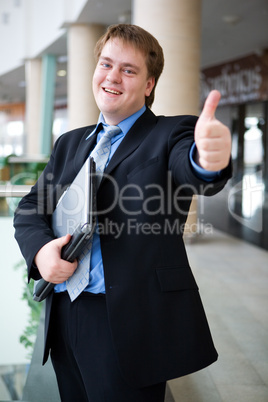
(212, 138)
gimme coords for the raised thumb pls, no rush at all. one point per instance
(210, 105)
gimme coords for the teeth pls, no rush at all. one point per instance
(111, 91)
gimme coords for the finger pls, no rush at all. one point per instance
(210, 105)
(208, 144)
(64, 240)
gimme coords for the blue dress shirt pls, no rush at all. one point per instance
(96, 274)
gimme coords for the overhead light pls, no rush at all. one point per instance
(61, 73)
(125, 17)
(231, 19)
(62, 59)
(22, 84)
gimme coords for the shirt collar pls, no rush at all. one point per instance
(124, 125)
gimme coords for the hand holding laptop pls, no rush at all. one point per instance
(50, 263)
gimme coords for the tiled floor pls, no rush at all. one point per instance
(233, 282)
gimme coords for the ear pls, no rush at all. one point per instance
(149, 86)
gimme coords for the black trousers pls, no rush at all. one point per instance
(83, 356)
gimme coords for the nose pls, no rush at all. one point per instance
(113, 76)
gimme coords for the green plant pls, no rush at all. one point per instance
(28, 336)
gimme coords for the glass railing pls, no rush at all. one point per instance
(18, 334)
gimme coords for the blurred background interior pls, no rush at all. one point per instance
(46, 68)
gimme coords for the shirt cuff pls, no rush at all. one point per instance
(203, 174)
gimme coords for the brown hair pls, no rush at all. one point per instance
(141, 40)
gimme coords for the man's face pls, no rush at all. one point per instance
(120, 81)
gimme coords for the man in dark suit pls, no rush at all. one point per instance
(140, 320)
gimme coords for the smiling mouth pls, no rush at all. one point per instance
(112, 91)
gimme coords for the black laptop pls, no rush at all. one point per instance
(75, 213)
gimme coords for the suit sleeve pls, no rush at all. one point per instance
(32, 219)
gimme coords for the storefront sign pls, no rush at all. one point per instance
(240, 81)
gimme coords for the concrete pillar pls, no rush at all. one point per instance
(177, 25)
(33, 73)
(82, 108)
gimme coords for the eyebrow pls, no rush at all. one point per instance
(125, 64)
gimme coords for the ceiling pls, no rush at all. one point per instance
(230, 29)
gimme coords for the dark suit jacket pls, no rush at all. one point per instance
(157, 321)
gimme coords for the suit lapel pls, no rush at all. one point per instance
(133, 139)
(84, 148)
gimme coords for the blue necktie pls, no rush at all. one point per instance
(80, 278)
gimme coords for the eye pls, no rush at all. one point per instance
(128, 71)
(105, 65)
